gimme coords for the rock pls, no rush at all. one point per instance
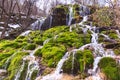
(3, 72)
(111, 45)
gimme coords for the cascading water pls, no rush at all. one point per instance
(57, 75)
(33, 63)
(50, 24)
(20, 71)
(70, 15)
(118, 33)
(38, 24)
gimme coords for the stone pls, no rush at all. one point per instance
(3, 72)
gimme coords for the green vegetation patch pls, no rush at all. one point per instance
(52, 53)
(110, 68)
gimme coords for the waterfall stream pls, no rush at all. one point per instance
(70, 15)
(33, 63)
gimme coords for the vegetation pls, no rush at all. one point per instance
(103, 17)
(109, 66)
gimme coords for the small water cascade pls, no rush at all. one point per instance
(118, 33)
(50, 24)
(8, 60)
(46, 41)
(57, 74)
(38, 24)
(106, 36)
(20, 71)
(70, 15)
(33, 63)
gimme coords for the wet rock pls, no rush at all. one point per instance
(111, 45)
(3, 72)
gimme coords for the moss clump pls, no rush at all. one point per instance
(69, 39)
(109, 66)
(54, 31)
(15, 64)
(30, 47)
(82, 61)
(103, 17)
(11, 44)
(52, 53)
(117, 51)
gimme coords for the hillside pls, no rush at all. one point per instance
(73, 42)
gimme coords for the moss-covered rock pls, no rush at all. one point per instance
(52, 53)
(54, 31)
(109, 66)
(15, 65)
(82, 61)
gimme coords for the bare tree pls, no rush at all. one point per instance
(11, 11)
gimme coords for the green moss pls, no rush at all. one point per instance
(11, 44)
(54, 31)
(15, 64)
(24, 72)
(109, 66)
(82, 61)
(101, 38)
(38, 53)
(30, 47)
(70, 39)
(52, 53)
(117, 51)
(85, 59)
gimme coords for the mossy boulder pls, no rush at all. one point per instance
(109, 66)
(52, 53)
(15, 64)
(82, 61)
(52, 32)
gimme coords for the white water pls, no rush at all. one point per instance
(118, 33)
(25, 33)
(46, 5)
(57, 75)
(33, 63)
(17, 76)
(38, 24)
(106, 36)
(50, 21)
(70, 15)
(8, 60)
(46, 41)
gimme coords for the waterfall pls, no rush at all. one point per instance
(118, 33)
(57, 74)
(70, 15)
(33, 63)
(38, 24)
(17, 76)
(46, 5)
(50, 22)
